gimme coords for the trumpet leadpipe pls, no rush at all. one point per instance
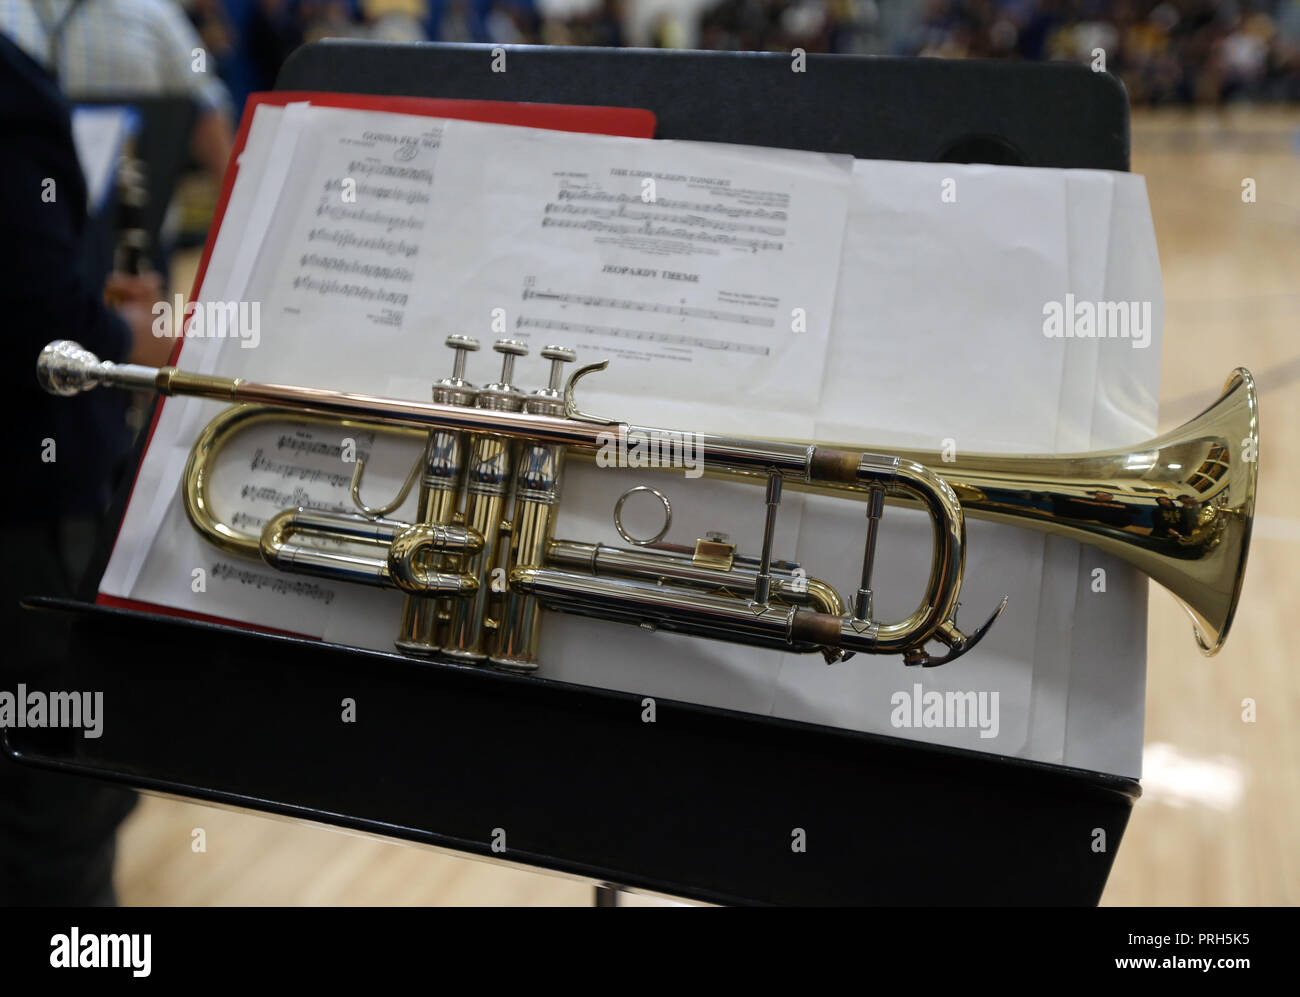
(64, 368)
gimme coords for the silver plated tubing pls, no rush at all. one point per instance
(763, 580)
(657, 607)
(652, 565)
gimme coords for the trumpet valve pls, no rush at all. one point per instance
(509, 349)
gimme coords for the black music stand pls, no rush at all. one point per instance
(702, 803)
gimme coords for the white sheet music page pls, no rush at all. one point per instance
(939, 344)
(704, 273)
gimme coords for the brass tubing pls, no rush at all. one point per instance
(418, 630)
(400, 569)
(203, 458)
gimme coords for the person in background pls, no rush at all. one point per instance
(396, 20)
(329, 19)
(57, 832)
(456, 23)
(108, 47)
(273, 32)
(217, 34)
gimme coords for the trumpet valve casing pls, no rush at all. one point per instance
(438, 502)
(487, 482)
(537, 498)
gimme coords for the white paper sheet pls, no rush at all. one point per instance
(98, 133)
(704, 273)
(953, 292)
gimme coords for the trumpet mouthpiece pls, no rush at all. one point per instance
(67, 368)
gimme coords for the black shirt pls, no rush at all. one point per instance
(45, 295)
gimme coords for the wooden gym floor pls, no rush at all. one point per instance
(1217, 821)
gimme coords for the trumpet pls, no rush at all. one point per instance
(1178, 507)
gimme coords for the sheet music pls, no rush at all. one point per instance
(689, 266)
(383, 233)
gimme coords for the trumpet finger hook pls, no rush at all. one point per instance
(958, 642)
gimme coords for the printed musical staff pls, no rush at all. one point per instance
(648, 214)
(351, 239)
(337, 264)
(371, 168)
(353, 213)
(671, 339)
(709, 207)
(649, 229)
(342, 289)
(261, 462)
(278, 583)
(624, 304)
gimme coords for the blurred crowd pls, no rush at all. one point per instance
(1167, 51)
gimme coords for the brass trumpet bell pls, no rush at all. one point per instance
(1178, 507)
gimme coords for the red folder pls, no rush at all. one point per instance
(625, 121)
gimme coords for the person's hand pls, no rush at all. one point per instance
(147, 347)
(122, 288)
(133, 297)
